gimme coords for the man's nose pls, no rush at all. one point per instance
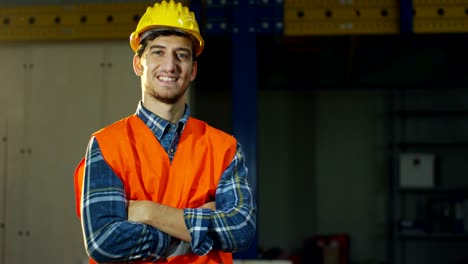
(170, 63)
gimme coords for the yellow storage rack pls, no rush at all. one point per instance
(69, 22)
(340, 17)
(340, 3)
(347, 17)
(300, 18)
(439, 17)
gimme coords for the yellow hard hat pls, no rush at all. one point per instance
(168, 15)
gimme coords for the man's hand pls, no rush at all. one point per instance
(138, 211)
(209, 205)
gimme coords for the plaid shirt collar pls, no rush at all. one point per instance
(158, 125)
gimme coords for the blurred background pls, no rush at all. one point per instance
(353, 116)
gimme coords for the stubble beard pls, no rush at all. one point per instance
(168, 98)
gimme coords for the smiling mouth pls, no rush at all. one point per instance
(167, 79)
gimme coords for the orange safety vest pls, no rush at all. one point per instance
(136, 156)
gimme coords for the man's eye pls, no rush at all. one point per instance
(157, 52)
(182, 55)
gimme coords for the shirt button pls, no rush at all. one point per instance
(172, 150)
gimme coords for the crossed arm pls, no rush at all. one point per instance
(168, 219)
(117, 230)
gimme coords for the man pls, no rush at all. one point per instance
(159, 185)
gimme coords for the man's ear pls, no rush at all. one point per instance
(137, 67)
(194, 71)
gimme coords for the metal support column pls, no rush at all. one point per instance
(243, 21)
(406, 17)
(244, 92)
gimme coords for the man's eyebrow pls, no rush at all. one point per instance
(184, 49)
(156, 47)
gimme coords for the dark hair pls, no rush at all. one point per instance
(165, 32)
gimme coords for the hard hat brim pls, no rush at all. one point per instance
(136, 39)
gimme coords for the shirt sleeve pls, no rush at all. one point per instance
(232, 226)
(109, 237)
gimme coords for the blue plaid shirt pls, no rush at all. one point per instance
(109, 237)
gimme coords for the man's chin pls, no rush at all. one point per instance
(169, 99)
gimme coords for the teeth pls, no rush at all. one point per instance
(167, 79)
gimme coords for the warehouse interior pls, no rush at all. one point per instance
(353, 115)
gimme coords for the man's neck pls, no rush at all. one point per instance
(169, 112)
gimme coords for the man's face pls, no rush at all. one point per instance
(166, 68)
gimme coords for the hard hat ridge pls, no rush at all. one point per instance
(168, 15)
